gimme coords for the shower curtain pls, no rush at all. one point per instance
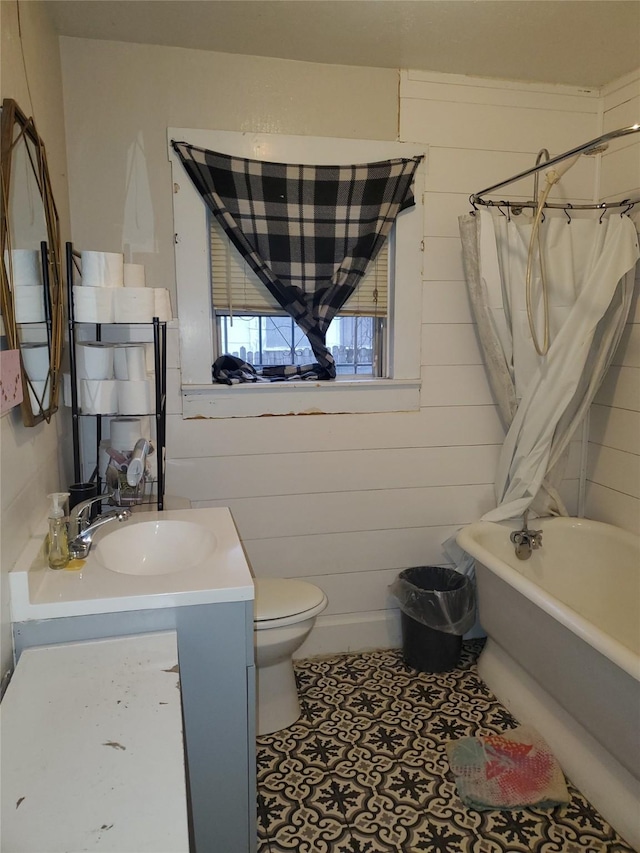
(589, 266)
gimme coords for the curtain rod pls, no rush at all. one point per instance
(587, 147)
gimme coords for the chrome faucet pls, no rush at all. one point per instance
(81, 531)
(79, 515)
(526, 540)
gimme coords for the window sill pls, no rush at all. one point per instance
(339, 396)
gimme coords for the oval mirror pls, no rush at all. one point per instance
(31, 294)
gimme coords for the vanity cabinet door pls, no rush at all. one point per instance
(219, 715)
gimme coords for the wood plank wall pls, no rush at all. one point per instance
(346, 501)
(613, 483)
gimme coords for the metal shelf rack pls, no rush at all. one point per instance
(73, 261)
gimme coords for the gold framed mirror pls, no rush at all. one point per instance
(31, 291)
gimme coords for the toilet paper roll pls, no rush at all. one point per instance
(124, 432)
(28, 303)
(102, 269)
(150, 358)
(134, 275)
(24, 267)
(134, 305)
(80, 371)
(129, 363)
(35, 358)
(162, 306)
(93, 304)
(134, 397)
(99, 396)
(120, 362)
(145, 427)
(96, 358)
(39, 395)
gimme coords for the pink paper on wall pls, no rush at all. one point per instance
(10, 380)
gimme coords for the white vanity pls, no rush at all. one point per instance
(181, 571)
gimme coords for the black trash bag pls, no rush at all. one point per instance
(440, 598)
(437, 606)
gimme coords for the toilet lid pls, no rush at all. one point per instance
(277, 598)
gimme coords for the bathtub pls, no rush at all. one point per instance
(563, 649)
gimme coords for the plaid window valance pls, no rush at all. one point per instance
(308, 232)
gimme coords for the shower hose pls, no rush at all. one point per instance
(553, 176)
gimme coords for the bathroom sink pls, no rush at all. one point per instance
(156, 559)
(159, 547)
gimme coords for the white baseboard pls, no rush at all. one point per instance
(353, 632)
(360, 632)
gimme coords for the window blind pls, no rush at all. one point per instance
(237, 289)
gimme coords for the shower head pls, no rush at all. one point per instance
(597, 149)
(554, 174)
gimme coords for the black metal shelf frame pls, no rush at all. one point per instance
(160, 377)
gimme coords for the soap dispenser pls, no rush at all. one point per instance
(58, 538)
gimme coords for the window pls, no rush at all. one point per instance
(252, 326)
(394, 385)
(264, 340)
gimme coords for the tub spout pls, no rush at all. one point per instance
(523, 550)
(526, 540)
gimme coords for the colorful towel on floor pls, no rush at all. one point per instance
(513, 770)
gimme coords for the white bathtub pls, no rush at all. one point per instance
(563, 649)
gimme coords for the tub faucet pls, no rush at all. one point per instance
(526, 540)
(81, 531)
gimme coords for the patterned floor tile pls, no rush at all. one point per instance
(391, 822)
(263, 845)
(311, 832)
(364, 770)
(363, 842)
(294, 779)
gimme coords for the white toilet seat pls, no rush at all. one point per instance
(285, 611)
(285, 601)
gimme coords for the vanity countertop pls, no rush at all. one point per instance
(38, 592)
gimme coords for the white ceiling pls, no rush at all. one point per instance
(584, 43)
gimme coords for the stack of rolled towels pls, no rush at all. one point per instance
(112, 378)
(28, 290)
(115, 292)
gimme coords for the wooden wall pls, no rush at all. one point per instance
(345, 501)
(613, 485)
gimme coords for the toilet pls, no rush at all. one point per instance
(284, 613)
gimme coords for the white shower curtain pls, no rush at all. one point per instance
(589, 270)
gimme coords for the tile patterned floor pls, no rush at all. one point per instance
(364, 770)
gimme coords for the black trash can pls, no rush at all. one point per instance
(437, 607)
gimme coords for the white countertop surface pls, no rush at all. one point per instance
(38, 592)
